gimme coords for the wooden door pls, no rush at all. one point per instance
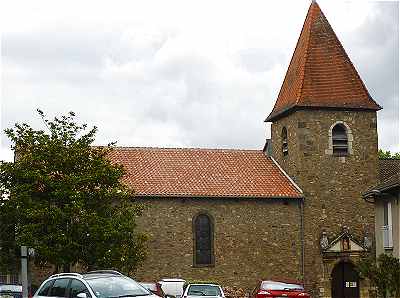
(345, 281)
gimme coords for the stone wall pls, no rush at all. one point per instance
(253, 239)
(332, 185)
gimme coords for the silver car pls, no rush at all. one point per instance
(204, 290)
(94, 284)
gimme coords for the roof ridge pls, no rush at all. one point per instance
(312, 15)
(185, 148)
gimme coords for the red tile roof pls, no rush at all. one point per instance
(164, 172)
(320, 73)
(388, 177)
(387, 167)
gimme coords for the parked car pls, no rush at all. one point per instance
(10, 291)
(204, 290)
(172, 287)
(154, 287)
(94, 284)
(273, 288)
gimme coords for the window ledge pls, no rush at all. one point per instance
(340, 155)
(202, 265)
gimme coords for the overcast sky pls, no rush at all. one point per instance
(179, 73)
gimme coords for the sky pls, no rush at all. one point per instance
(179, 73)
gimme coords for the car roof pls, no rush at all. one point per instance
(10, 288)
(173, 280)
(203, 284)
(99, 275)
(87, 275)
(283, 281)
(147, 282)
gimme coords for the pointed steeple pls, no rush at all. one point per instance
(320, 74)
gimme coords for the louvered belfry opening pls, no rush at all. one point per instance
(285, 149)
(339, 140)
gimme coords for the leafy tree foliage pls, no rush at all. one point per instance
(387, 154)
(65, 199)
(384, 274)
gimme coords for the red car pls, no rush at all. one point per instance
(154, 287)
(272, 288)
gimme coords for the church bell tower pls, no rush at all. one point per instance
(324, 135)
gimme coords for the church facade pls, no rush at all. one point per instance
(291, 211)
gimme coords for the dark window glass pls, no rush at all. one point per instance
(385, 214)
(45, 289)
(280, 286)
(59, 288)
(339, 140)
(285, 149)
(203, 240)
(77, 287)
(204, 290)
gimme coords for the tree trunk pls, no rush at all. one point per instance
(66, 268)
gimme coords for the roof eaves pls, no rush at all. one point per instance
(281, 113)
(387, 185)
(188, 196)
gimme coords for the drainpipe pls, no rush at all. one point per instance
(302, 238)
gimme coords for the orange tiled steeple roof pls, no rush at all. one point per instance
(320, 73)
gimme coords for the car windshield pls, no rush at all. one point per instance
(280, 286)
(116, 287)
(204, 290)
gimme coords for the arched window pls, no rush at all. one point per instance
(203, 236)
(285, 150)
(339, 140)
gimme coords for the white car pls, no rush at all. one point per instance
(203, 290)
(94, 284)
(10, 291)
(172, 286)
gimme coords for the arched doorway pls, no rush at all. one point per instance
(345, 281)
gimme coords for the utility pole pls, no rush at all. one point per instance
(24, 271)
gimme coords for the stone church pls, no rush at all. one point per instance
(291, 210)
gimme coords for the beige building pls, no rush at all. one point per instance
(386, 199)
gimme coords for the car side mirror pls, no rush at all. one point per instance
(82, 295)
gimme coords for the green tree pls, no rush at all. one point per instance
(387, 154)
(383, 273)
(65, 199)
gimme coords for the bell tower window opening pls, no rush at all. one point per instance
(285, 149)
(339, 140)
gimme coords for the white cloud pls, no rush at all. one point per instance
(177, 73)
